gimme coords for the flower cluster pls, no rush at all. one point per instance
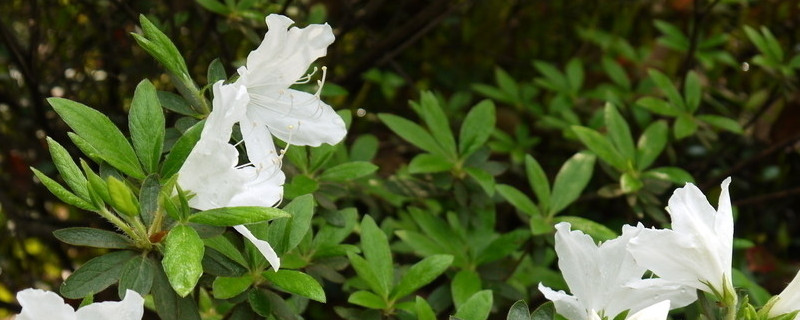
(695, 254)
(261, 102)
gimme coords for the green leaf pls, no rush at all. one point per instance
(616, 73)
(601, 146)
(651, 143)
(260, 302)
(665, 84)
(364, 148)
(570, 181)
(146, 123)
(692, 91)
(95, 275)
(673, 174)
(574, 72)
(299, 185)
(367, 299)
(465, 284)
(97, 185)
(70, 172)
(555, 80)
(148, 198)
(484, 179)
(122, 197)
(517, 199)
(619, 133)
(429, 163)
(62, 193)
(218, 264)
(476, 307)
(229, 287)
(437, 123)
(348, 171)
(215, 6)
(629, 184)
(177, 156)
(224, 246)
(412, 133)
(506, 83)
(91, 237)
(168, 304)
(546, 311)
(183, 256)
(538, 181)
(423, 309)
(684, 126)
(175, 103)
(365, 271)
(504, 245)
(421, 274)
(596, 230)
(375, 246)
(476, 128)
(721, 122)
(161, 48)
(296, 282)
(216, 72)
(674, 36)
(100, 133)
(519, 311)
(85, 147)
(286, 234)
(659, 106)
(234, 216)
(137, 275)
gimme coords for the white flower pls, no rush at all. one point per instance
(212, 173)
(657, 311)
(788, 300)
(697, 251)
(605, 279)
(45, 305)
(293, 116)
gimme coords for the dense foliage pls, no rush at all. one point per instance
(473, 128)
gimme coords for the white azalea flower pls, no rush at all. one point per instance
(293, 116)
(212, 173)
(45, 305)
(697, 251)
(657, 311)
(605, 279)
(787, 301)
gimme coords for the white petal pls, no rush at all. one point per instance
(723, 226)
(788, 299)
(262, 246)
(130, 308)
(577, 256)
(657, 311)
(676, 257)
(285, 55)
(43, 305)
(639, 294)
(296, 117)
(566, 305)
(263, 189)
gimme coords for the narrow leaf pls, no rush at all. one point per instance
(437, 123)
(601, 146)
(348, 171)
(375, 246)
(95, 275)
(692, 91)
(619, 133)
(476, 307)
(570, 181)
(62, 193)
(234, 216)
(465, 284)
(517, 199)
(665, 84)
(412, 133)
(229, 287)
(476, 128)
(651, 143)
(69, 171)
(91, 237)
(538, 181)
(146, 123)
(137, 275)
(421, 274)
(367, 299)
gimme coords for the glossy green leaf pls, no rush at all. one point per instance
(168, 304)
(476, 128)
(546, 311)
(377, 253)
(601, 146)
(175, 103)
(570, 181)
(721, 122)
(619, 133)
(616, 73)
(177, 156)
(412, 133)
(665, 84)
(423, 309)
(659, 106)
(651, 143)
(436, 121)
(674, 174)
(519, 311)
(234, 216)
(183, 256)
(229, 287)
(477, 307)
(367, 299)
(101, 134)
(692, 91)
(286, 234)
(597, 231)
(348, 171)
(429, 163)
(684, 126)
(95, 275)
(91, 237)
(296, 282)
(484, 179)
(504, 245)
(122, 197)
(465, 284)
(146, 123)
(421, 274)
(574, 73)
(538, 181)
(216, 72)
(364, 148)
(365, 271)
(517, 199)
(629, 183)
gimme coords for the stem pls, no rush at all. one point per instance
(155, 226)
(103, 212)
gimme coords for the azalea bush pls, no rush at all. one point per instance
(295, 164)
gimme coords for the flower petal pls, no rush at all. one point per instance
(788, 299)
(40, 304)
(657, 311)
(296, 117)
(566, 305)
(675, 257)
(264, 247)
(285, 55)
(577, 256)
(130, 308)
